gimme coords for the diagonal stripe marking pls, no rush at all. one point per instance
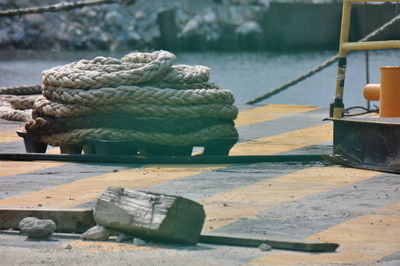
(270, 112)
(228, 207)
(101, 246)
(9, 135)
(286, 141)
(15, 167)
(81, 191)
(256, 115)
(364, 239)
(88, 189)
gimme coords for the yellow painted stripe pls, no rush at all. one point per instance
(285, 142)
(270, 112)
(259, 114)
(364, 239)
(9, 136)
(228, 207)
(15, 168)
(100, 246)
(252, 116)
(88, 189)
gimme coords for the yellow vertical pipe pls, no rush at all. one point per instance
(345, 27)
(341, 71)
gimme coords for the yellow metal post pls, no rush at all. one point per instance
(371, 45)
(338, 106)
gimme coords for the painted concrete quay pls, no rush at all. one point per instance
(358, 209)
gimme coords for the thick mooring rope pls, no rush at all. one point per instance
(142, 97)
(191, 139)
(14, 106)
(227, 111)
(21, 90)
(15, 115)
(42, 125)
(110, 72)
(135, 94)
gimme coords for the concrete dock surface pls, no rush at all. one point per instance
(358, 209)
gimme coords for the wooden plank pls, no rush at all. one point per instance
(139, 159)
(150, 216)
(67, 220)
(278, 244)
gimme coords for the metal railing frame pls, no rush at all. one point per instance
(345, 46)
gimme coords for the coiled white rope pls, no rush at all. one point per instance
(146, 85)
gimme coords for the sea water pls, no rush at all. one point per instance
(247, 74)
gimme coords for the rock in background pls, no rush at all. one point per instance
(191, 25)
(200, 25)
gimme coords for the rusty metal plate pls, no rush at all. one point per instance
(368, 142)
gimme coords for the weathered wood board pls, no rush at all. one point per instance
(150, 216)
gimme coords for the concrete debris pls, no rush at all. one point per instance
(96, 233)
(36, 228)
(265, 247)
(139, 242)
(124, 238)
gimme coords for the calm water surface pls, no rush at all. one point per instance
(247, 74)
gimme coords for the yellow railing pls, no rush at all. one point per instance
(345, 46)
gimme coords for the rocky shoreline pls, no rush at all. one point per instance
(199, 24)
(186, 25)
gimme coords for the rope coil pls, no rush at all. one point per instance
(135, 94)
(227, 111)
(41, 125)
(141, 97)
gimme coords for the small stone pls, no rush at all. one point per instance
(123, 238)
(114, 18)
(98, 232)
(265, 247)
(37, 228)
(210, 17)
(139, 242)
(68, 246)
(248, 28)
(35, 19)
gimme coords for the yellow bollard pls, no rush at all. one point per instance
(390, 92)
(372, 92)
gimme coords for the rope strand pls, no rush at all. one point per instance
(63, 6)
